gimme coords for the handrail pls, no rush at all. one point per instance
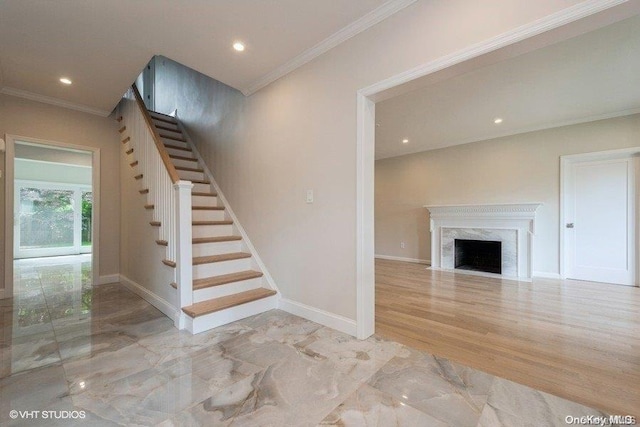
(171, 169)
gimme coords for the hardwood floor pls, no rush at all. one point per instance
(576, 340)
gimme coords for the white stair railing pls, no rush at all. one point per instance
(170, 197)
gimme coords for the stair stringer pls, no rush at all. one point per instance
(245, 238)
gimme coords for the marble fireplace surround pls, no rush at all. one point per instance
(511, 224)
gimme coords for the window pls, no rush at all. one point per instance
(52, 219)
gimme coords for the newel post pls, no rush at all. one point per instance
(184, 258)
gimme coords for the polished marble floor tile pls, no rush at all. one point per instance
(103, 350)
(371, 407)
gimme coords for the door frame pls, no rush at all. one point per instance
(9, 204)
(565, 193)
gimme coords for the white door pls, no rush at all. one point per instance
(599, 216)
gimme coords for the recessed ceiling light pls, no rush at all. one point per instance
(404, 141)
(497, 120)
(65, 80)
(239, 46)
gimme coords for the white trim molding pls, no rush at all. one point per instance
(331, 320)
(158, 302)
(108, 278)
(53, 101)
(546, 275)
(404, 259)
(365, 22)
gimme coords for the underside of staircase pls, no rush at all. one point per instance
(228, 283)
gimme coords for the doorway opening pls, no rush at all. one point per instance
(52, 193)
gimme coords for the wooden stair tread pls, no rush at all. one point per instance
(138, 176)
(149, 206)
(122, 129)
(223, 222)
(129, 151)
(217, 304)
(184, 168)
(197, 240)
(176, 147)
(225, 278)
(171, 264)
(200, 181)
(203, 194)
(173, 137)
(144, 191)
(189, 159)
(162, 117)
(127, 139)
(220, 258)
(162, 242)
(155, 223)
(207, 208)
(167, 128)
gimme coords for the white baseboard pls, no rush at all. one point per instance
(331, 320)
(160, 303)
(399, 258)
(545, 275)
(109, 278)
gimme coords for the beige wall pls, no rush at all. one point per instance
(140, 256)
(299, 133)
(520, 168)
(36, 120)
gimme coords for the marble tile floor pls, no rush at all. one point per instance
(68, 346)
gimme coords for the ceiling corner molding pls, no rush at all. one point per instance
(53, 101)
(539, 26)
(356, 27)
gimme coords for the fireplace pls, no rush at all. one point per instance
(512, 225)
(478, 255)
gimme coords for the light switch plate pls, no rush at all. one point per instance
(309, 196)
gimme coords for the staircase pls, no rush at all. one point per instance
(224, 282)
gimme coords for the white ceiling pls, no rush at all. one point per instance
(103, 44)
(596, 75)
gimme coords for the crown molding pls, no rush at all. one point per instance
(53, 101)
(365, 22)
(550, 22)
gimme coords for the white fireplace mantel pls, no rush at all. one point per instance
(511, 223)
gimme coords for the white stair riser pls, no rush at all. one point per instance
(200, 215)
(174, 142)
(190, 176)
(201, 188)
(204, 201)
(225, 290)
(184, 163)
(203, 271)
(182, 153)
(211, 230)
(165, 125)
(204, 249)
(219, 318)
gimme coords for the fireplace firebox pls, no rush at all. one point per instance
(478, 255)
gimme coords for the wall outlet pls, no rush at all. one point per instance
(402, 245)
(309, 196)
